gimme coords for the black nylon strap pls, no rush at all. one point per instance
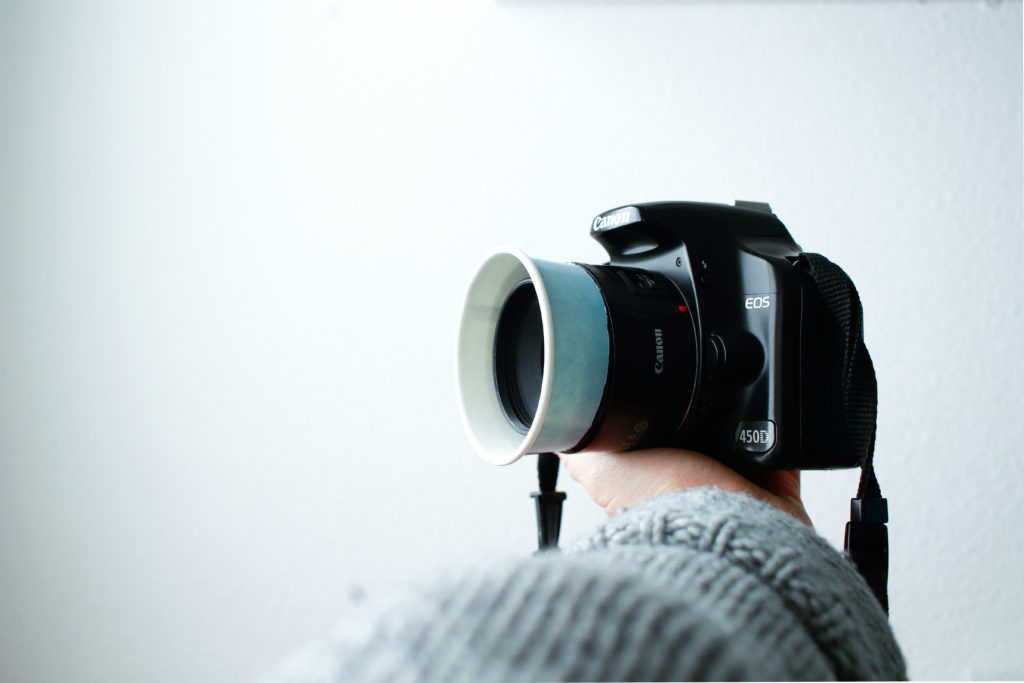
(859, 388)
(867, 538)
(548, 502)
(547, 472)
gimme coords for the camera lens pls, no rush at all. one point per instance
(519, 356)
(652, 376)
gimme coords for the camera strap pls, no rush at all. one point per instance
(867, 538)
(548, 502)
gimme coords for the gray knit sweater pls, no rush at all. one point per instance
(701, 584)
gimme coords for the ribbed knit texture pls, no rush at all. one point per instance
(700, 584)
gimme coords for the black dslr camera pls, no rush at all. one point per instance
(707, 329)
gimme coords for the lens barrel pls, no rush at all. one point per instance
(556, 357)
(653, 371)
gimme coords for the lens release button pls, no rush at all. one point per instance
(755, 436)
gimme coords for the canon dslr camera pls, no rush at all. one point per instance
(708, 329)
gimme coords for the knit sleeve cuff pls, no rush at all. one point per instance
(817, 584)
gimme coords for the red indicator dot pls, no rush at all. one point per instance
(682, 309)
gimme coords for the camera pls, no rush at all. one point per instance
(708, 328)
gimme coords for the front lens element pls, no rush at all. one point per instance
(519, 356)
(532, 356)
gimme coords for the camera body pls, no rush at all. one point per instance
(722, 344)
(707, 329)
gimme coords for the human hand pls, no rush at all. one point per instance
(620, 480)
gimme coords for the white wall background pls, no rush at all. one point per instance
(234, 237)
